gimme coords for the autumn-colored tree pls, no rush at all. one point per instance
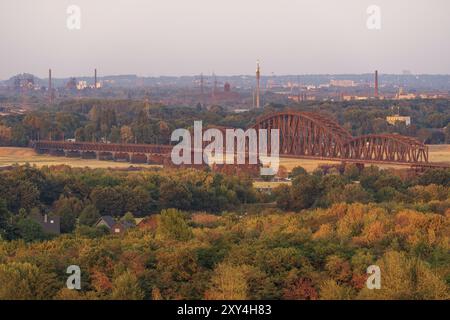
(24, 281)
(126, 134)
(403, 277)
(302, 289)
(228, 283)
(126, 287)
(331, 290)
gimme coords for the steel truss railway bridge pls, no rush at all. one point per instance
(305, 135)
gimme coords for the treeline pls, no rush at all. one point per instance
(320, 254)
(128, 121)
(429, 118)
(117, 121)
(429, 191)
(81, 196)
(330, 226)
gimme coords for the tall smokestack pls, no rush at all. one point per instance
(258, 74)
(95, 78)
(201, 84)
(202, 89)
(376, 84)
(50, 84)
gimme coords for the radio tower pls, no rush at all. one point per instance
(95, 78)
(258, 73)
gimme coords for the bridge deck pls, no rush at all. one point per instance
(166, 150)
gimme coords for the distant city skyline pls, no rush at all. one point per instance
(178, 37)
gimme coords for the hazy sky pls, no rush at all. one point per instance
(176, 37)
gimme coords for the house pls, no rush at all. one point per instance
(121, 227)
(148, 223)
(106, 221)
(51, 225)
(116, 227)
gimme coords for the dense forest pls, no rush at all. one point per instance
(128, 121)
(217, 237)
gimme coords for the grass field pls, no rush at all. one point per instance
(10, 155)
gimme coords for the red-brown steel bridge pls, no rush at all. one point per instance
(306, 135)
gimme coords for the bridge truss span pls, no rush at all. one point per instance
(306, 134)
(387, 147)
(302, 134)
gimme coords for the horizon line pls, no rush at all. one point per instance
(227, 75)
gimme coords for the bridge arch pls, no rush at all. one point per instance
(306, 134)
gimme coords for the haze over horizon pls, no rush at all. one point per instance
(176, 37)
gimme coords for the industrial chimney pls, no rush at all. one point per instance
(258, 74)
(50, 93)
(376, 93)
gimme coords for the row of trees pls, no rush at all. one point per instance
(429, 118)
(130, 121)
(429, 191)
(82, 195)
(320, 254)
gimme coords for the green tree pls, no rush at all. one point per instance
(305, 191)
(282, 195)
(30, 230)
(173, 226)
(89, 215)
(68, 209)
(128, 217)
(297, 171)
(5, 218)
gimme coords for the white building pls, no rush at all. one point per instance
(82, 85)
(393, 119)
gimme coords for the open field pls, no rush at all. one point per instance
(11, 155)
(269, 184)
(440, 153)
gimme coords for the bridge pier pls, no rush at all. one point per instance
(42, 151)
(88, 155)
(73, 154)
(155, 159)
(105, 156)
(138, 158)
(57, 152)
(121, 156)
